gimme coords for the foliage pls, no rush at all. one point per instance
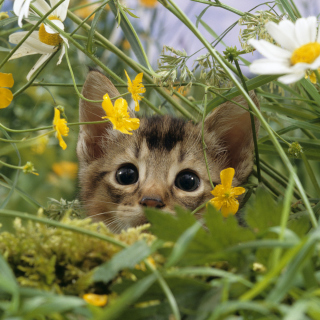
(262, 263)
(222, 270)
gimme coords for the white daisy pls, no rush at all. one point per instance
(46, 40)
(21, 9)
(300, 49)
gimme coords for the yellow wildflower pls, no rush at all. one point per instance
(135, 88)
(97, 300)
(149, 3)
(65, 169)
(4, 15)
(225, 195)
(29, 168)
(118, 115)
(312, 76)
(60, 125)
(41, 145)
(6, 96)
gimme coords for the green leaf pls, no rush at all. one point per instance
(182, 244)
(127, 258)
(284, 282)
(234, 92)
(226, 231)
(199, 17)
(93, 27)
(309, 87)
(125, 26)
(8, 21)
(127, 298)
(263, 213)
(40, 305)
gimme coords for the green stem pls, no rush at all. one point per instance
(171, 299)
(11, 165)
(311, 174)
(275, 176)
(284, 219)
(31, 139)
(138, 40)
(43, 17)
(133, 64)
(221, 5)
(204, 147)
(253, 127)
(29, 83)
(257, 112)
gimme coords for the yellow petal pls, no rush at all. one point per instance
(231, 208)
(6, 80)
(56, 117)
(107, 105)
(129, 80)
(138, 79)
(62, 144)
(6, 97)
(96, 299)
(236, 191)
(226, 177)
(217, 203)
(218, 190)
(137, 107)
(121, 108)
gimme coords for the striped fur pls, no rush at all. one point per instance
(160, 149)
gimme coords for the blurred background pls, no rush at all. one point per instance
(34, 107)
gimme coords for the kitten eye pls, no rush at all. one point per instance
(127, 174)
(187, 181)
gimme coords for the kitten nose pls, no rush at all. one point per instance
(152, 202)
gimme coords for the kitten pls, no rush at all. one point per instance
(161, 164)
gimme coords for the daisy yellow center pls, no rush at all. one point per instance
(306, 53)
(51, 39)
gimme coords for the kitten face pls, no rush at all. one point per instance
(166, 162)
(160, 165)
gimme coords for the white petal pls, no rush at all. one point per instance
(290, 78)
(65, 40)
(42, 6)
(33, 42)
(17, 5)
(315, 64)
(304, 66)
(38, 64)
(16, 37)
(63, 51)
(61, 11)
(283, 33)
(269, 50)
(305, 30)
(23, 51)
(58, 23)
(265, 66)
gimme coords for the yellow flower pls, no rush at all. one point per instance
(29, 168)
(118, 115)
(60, 125)
(6, 96)
(149, 3)
(65, 169)
(40, 147)
(225, 194)
(135, 88)
(97, 300)
(312, 76)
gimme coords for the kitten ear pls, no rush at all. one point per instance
(90, 135)
(230, 126)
